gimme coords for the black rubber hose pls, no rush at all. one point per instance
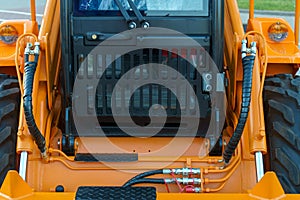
(29, 71)
(142, 175)
(248, 63)
(136, 11)
(146, 180)
(123, 11)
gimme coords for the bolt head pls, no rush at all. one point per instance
(145, 25)
(132, 25)
(94, 36)
(58, 143)
(208, 88)
(208, 76)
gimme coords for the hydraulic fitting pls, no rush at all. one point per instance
(245, 50)
(182, 171)
(184, 181)
(193, 190)
(36, 50)
(28, 49)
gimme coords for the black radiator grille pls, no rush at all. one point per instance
(146, 96)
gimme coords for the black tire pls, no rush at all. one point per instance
(9, 118)
(282, 116)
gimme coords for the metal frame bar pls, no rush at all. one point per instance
(297, 23)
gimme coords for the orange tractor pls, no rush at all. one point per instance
(147, 99)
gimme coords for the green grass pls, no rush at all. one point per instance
(281, 5)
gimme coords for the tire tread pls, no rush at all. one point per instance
(9, 117)
(282, 116)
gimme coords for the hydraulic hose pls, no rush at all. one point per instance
(142, 175)
(248, 63)
(138, 14)
(146, 180)
(123, 11)
(29, 71)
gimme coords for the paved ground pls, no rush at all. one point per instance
(288, 16)
(19, 9)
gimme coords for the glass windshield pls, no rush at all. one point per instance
(150, 7)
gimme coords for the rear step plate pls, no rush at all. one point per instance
(118, 193)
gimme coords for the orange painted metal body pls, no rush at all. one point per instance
(235, 181)
(268, 188)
